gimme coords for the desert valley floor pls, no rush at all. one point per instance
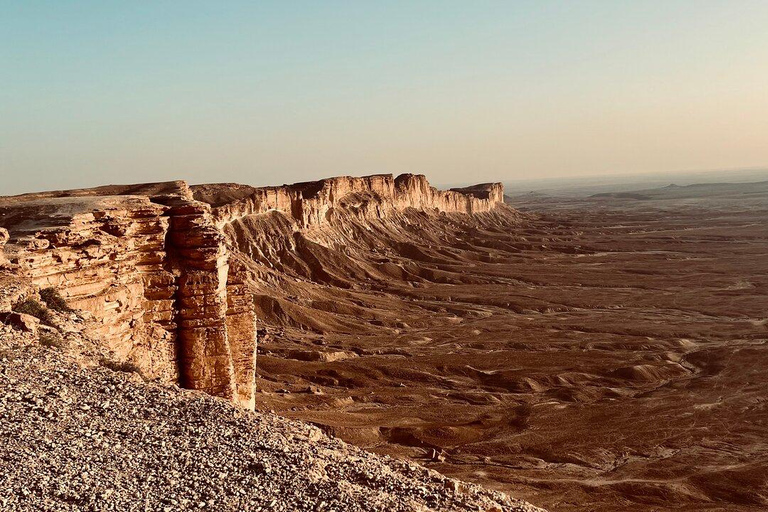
(601, 353)
(604, 353)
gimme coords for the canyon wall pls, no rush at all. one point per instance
(107, 257)
(310, 203)
(153, 272)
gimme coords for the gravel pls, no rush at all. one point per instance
(78, 436)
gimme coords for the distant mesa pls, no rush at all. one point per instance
(698, 190)
(623, 195)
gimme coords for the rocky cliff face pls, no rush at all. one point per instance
(158, 269)
(312, 203)
(108, 257)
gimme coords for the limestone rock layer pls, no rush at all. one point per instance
(157, 269)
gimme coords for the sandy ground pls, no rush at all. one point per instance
(603, 354)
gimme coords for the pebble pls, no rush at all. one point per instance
(118, 444)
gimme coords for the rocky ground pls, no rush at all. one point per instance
(76, 434)
(602, 354)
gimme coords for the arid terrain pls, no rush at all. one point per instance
(112, 297)
(605, 353)
(602, 353)
(81, 435)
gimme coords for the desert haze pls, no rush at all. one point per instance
(581, 353)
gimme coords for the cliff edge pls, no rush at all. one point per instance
(162, 269)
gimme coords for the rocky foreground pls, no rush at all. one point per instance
(76, 434)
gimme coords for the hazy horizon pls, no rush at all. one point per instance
(267, 93)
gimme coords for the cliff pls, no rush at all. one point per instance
(312, 203)
(159, 269)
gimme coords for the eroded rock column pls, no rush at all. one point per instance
(201, 260)
(241, 333)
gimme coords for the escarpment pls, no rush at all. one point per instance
(151, 272)
(312, 203)
(168, 274)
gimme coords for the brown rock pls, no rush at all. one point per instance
(4, 236)
(155, 266)
(20, 321)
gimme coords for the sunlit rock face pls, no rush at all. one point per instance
(3, 240)
(158, 269)
(312, 203)
(107, 256)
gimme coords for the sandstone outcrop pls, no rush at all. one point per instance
(4, 236)
(312, 203)
(150, 270)
(159, 269)
(20, 321)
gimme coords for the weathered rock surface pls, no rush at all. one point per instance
(313, 203)
(159, 268)
(4, 236)
(20, 321)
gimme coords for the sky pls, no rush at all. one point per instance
(264, 93)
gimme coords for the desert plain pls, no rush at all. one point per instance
(596, 353)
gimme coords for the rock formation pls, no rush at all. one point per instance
(157, 268)
(311, 203)
(3, 239)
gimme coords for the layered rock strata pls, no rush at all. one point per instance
(107, 257)
(152, 272)
(311, 203)
(156, 268)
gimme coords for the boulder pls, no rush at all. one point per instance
(4, 236)
(20, 321)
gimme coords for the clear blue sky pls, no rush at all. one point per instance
(95, 92)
